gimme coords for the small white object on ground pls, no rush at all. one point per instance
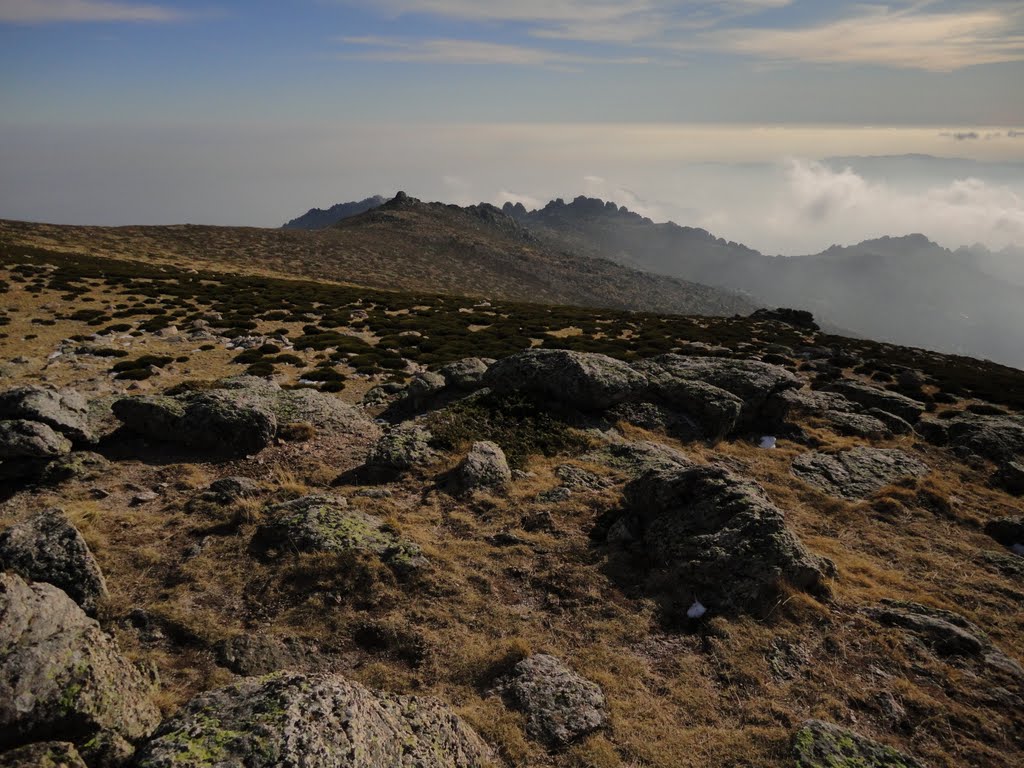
(767, 442)
(696, 610)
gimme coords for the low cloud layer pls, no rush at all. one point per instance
(54, 11)
(818, 203)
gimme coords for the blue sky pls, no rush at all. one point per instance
(116, 111)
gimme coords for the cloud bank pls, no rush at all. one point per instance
(54, 11)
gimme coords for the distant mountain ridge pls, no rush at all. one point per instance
(906, 290)
(320, 218)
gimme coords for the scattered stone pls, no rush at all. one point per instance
(144, 497)
(401, 448)
(47, 754)
(822, 745)
(61, 677)
(485, 467)
(906, 408)
(555, 495)
(858, 472)
(255, 655)
(327, 524)
(583, 380)
(580, 479)
(719, 538)
(465, 375)
(21, 439)
(318, 720)
(65, 410)
(560, 705)
(47, 547)
(228, 489)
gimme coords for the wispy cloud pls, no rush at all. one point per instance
(450, 50)
(51, 11)
(911, 37)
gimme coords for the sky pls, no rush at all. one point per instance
(725, 114)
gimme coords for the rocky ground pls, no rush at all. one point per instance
(254, 522)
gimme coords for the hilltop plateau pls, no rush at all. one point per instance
(266, 521)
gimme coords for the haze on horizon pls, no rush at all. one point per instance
(783, 124)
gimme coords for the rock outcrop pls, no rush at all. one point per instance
(718, 538)
(61, 677)
(316, 721)
(65, 411)
(46, 754)
(721, 395)
(868, 396)
(328, 524)
(560, 705)
(465, 375)
(858, 472)
(582, 380)
(485, 467)
(401, 448)
(822, 745)
(22, 439)
(212, 421)
(47, 547)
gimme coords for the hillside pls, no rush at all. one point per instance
(263, 521)
(403, 245)
(907, 290)
(320, 218)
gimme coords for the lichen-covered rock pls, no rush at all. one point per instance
(814, 401)
(485, 466)
(65, 411)
(61, 677)
(319, 721)
(858, 472)
(657, 417)
(464, 375)
(584, 380)
(822, 745)
(580, 479)
(46, 546)
(21, 439)
(723, 395)
(401, 448)
(718, 538)
(227, 489)
(560, 705)
(321, 409)
(328, 524)
(47, 754)
(80, 465)
(905, 407)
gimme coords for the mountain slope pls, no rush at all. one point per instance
(319, 218)
(402, 245)
(906, 290)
